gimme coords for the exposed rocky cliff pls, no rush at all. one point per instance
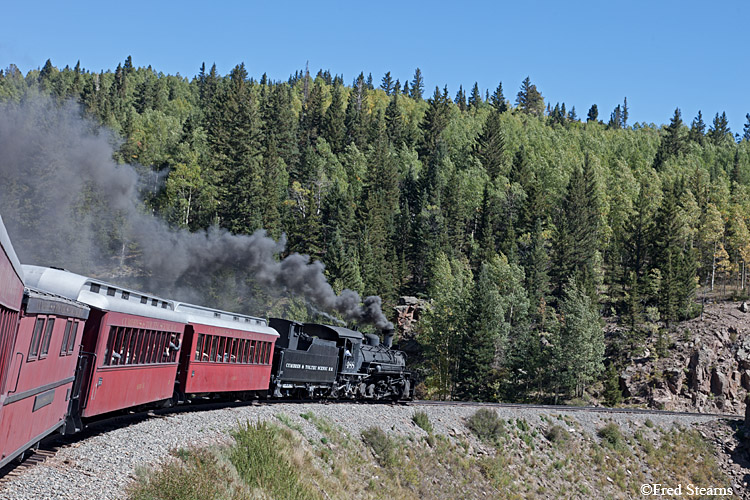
(706, 367)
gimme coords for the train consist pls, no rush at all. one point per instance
(74, 348)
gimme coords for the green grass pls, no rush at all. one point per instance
(262, 462)
(382, 445)
(190, 474)
(612, 436)
(423, 421)
(486, 425)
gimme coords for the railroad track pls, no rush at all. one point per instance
(38, 456)
(592, 409)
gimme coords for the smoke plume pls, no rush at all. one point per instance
(67, 203)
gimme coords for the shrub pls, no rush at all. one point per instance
(557, 434)
(193, 474)
(261, 461)
(486, 425)
(382, 445)
(611, 436)
(422, 420)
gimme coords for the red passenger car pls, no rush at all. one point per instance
(225, 352)
(130, 343)
(42, 370)
(11, 295)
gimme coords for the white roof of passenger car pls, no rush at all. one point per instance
(100, 294)
(224, 319)
(8, 247)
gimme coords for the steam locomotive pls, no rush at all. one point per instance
(74, 348)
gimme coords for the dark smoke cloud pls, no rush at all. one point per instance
(65, 200)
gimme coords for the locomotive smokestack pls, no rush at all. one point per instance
(388, 337)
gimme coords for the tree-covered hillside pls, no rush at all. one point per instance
(521, 222)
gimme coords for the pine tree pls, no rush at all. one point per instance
(498, 99)
(475, 99)
(487, 245)
(356, 118)
(615, 119)
(236, 145)
(537, 264)
(719, 130)
(490, 145)
(746, 128)
(460, 99)
(529, 99)
(576, 234)
(593, 114)
(671, 144)
(387, 84)
(673, 255)
(498, 308)
(394, 122)
(312, 117)
(434, 122)
(697, 129)
(625, 113)
(417, 85)
(334, 121)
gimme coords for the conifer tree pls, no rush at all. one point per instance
(746, 128)
(356, 118)
(434, 122)
(529, 99)
(576, 233)
(394, 122)
(417, 85)
(387, 84)
(475, 99)
(490, 146)
(460, 99)
(312, 117)
(498, 307)
(615, 119)
(697, 129)
(593, 114)
(671, 144)
(498, 99)
(334, 121)
(719, 130)
(536, 262)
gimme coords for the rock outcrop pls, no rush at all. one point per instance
(707, 367)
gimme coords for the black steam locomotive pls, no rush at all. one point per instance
(323, 361)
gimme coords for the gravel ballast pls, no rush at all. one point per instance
(99, 465)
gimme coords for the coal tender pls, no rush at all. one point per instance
(323, 361)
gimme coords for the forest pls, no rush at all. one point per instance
(525, 227)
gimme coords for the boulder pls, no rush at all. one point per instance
(674, 377)
(745, 380)
(718, 383)
(699, 369)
